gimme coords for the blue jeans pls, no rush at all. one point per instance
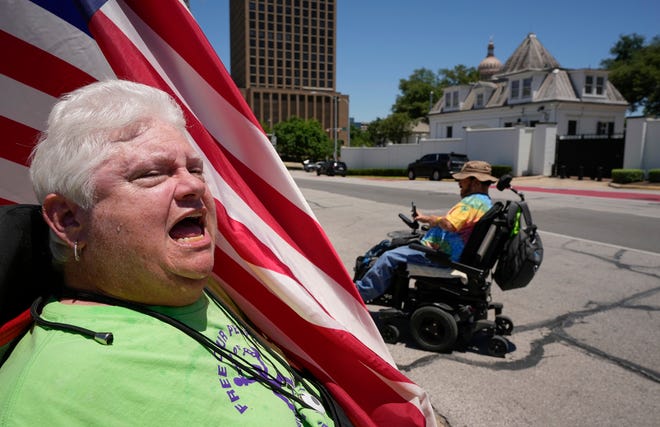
(379, 277)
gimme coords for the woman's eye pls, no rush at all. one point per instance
(150, 174)
(196, 171)
(147, 175)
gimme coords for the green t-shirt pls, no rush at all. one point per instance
(152, 375)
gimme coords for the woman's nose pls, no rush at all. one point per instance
(190, 185)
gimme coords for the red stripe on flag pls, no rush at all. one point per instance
(17, 141)
(253, 250)
(207, 65)
(28, 64)
(298, 225)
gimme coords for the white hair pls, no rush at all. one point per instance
(79, 136)
(80, 131)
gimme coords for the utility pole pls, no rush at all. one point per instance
(334, 154)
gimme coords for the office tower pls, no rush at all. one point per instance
(283, 60)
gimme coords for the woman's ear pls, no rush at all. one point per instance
(64, 217)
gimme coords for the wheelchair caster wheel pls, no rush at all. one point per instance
(504, 325)
(390, 333)
(433, 329)
(497, 346)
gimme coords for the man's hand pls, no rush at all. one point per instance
(436, 221)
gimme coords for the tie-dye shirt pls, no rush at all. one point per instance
(463, 216)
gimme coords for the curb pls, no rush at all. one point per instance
(542, 181)
(636, 186)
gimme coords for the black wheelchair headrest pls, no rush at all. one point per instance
(26, 270)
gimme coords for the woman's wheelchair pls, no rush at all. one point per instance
(445, 307)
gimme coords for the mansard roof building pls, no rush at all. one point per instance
(530, 88)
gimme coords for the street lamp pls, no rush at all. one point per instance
(336, 100)
(348, 125)
(334, 153)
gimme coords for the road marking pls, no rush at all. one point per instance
(595, 193)
(599, 243)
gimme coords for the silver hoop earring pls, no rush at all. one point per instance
(76, 255)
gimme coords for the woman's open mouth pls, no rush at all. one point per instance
(189, 229)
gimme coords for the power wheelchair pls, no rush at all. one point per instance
(443, 308)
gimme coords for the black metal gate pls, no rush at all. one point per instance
(589, 156)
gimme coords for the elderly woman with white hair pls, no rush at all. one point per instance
(133, 228)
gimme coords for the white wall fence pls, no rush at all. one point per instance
(529, 151)
(642, 144)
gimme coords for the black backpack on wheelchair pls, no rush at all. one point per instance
(445, 307)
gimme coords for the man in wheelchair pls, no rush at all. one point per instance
(448, 233)
(450, 299)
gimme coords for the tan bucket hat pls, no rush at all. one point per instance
(476, 168)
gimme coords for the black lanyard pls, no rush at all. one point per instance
(263, 377)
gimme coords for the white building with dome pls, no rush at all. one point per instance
(531, 87)
(532, 115)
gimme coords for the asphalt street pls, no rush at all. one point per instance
(585, 348)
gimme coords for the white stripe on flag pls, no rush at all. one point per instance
(46, 31)
(16, 185)
(24, 104)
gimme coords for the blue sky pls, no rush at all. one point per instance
(380, 42)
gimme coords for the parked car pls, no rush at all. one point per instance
(310, 165)
(436, 166)
(331, 168)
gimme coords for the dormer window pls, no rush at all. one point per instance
(525, 92)
(451, 99)
(480, 100)
(515, 89)
(600, 85)
(527, 88)
(594, 85)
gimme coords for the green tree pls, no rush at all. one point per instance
(416, 93)
(299, 139)
(360, 138)
(635, 71)
(459, 75)
(396, 127)
(424, 87)
(376, 132)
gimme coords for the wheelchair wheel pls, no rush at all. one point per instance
(497, 346)
(433, 329)
(390, 333)
(504, 325)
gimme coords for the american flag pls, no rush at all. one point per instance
(295, 289)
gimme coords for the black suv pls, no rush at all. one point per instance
(436, 166)
(331, 168)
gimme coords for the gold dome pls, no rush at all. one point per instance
(490, 64)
